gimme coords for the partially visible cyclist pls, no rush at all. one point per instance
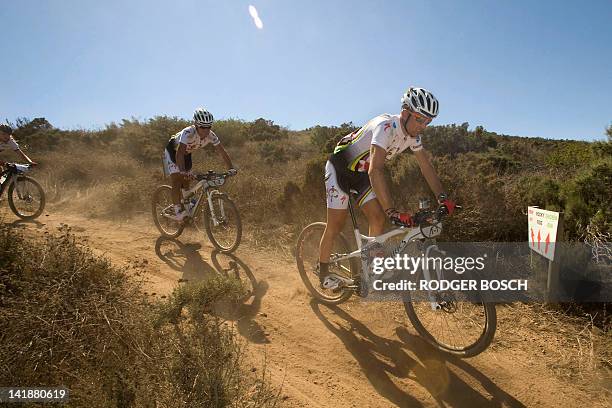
(177, 155)
(358, 163)
(8, 142)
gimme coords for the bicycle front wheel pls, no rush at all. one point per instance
(459, 327)
(307, 258)
(222, 223)
(162, 207)
(26, 198)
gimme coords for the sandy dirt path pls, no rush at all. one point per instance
(357, 355)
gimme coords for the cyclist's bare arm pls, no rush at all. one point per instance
(224, 156)
(429, 172)
(377, 176)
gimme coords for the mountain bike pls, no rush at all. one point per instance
(207, 208)
(443, 318)
(26, 197)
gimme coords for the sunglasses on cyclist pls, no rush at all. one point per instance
(422, 121)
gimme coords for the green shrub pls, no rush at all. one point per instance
(588, 194)
(570, 156)
(262, 130)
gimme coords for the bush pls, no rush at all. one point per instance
(588, 194)
(325, 138)
(453, 140)
(272, 153)
(570, 156)
(70, 318)
(231, 132)
(263, 129)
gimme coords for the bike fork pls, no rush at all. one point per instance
(435, 305)
(212, 209)
(19, 186)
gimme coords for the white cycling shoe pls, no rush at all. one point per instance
(177, 216)
(331, 282)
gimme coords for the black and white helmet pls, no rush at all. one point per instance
(202, 117)
(421, 101)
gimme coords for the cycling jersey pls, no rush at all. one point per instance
(384, 131)
(347, 167)
(190, 137)
(9, 144)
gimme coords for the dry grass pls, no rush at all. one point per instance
(70, 318)
(572, 346)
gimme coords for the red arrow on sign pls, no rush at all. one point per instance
(532, 237)
(547, 242)
(538, 239)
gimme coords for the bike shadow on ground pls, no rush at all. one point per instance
(185, 258)
(231, 266)
(23, 223)
(379, 358)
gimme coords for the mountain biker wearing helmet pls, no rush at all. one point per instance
(177, 155)
(7, 142)
(357, 163)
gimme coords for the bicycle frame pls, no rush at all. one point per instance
(412, 234)
(203, 187)
(11, 175)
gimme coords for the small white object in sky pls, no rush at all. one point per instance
(255, 16)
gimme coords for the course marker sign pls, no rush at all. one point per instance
(543, 231)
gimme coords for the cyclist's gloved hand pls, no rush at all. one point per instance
(395, 216)
(449, 204)
(232, 172)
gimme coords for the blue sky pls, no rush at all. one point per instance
(529, 68)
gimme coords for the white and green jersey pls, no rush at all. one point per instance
(384, 131)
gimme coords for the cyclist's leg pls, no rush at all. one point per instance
(177, 180)
(375, 214)
(366, 200)
(337, 209)
(335, 222)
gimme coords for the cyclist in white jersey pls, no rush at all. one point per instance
(7, 142)
(177, 155)
(358, 164)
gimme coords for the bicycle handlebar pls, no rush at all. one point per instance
(426, 217)
(211, 175)
(18, 167)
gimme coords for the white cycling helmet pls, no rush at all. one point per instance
(421, 101)
(202, 117)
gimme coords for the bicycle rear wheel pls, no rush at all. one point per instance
(26, 198)
(222, 223)
(162, 207)
(307, 258)
(456, 326)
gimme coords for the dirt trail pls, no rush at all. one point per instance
(357, 355)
